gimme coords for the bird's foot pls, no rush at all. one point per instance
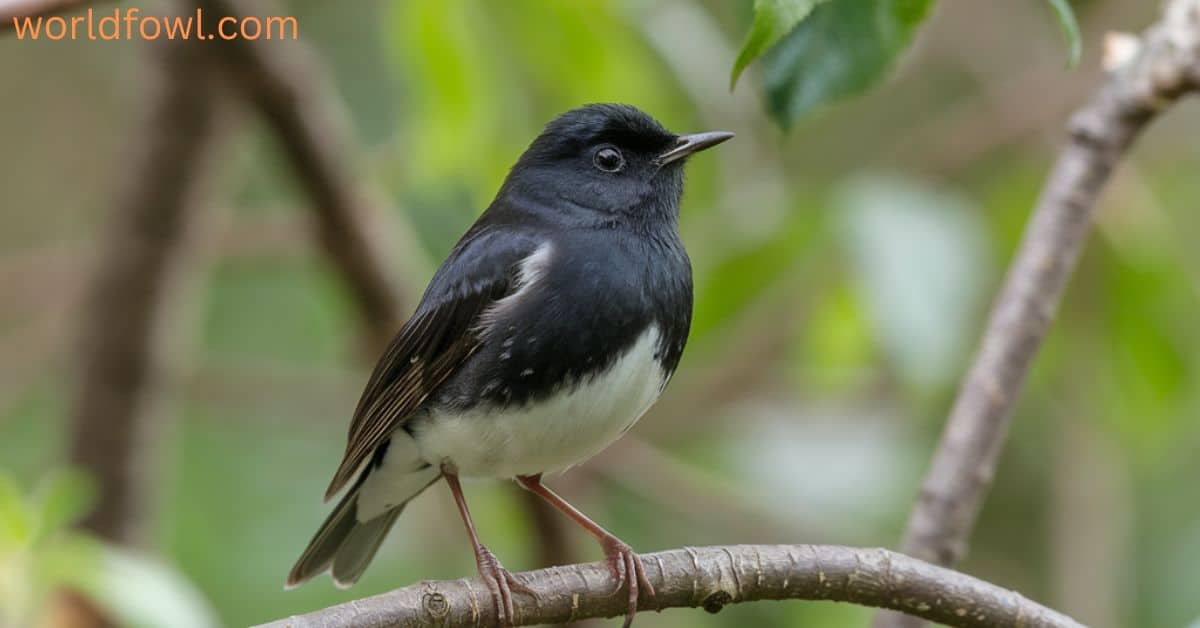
(501, 583)
(627, 568)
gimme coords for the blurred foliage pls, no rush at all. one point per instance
(37, 555)
(842, 276)
(40, 556)
(919, 255)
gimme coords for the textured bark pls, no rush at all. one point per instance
(1166, 67)
(284, 83)
(708, 578)
(128, 300)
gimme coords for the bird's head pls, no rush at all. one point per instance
(607, 159)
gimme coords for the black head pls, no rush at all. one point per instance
(611, 161)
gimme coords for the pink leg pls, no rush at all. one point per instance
(622, 560)
(500, 582)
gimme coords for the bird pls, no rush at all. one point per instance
(554, 323)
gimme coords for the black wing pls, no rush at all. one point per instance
(434, 343)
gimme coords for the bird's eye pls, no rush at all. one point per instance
(608, 159)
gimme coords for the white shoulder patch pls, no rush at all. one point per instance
(530, 271)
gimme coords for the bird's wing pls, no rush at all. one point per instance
(434, 343)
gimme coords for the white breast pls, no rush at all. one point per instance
(549, 435)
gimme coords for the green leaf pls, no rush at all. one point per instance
(1070, 29)
(15, 520)
(843, 48)
(63, 497)
(772, 20)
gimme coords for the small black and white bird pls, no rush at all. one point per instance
(553, 325)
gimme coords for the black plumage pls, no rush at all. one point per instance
(576, 261)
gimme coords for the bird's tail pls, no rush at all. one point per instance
(343, 544)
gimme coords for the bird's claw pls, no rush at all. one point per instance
(501, 583)
(623, 561)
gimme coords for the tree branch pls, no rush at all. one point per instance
(708, 578)
(1166, 67)
(285, 84)
(123, 321)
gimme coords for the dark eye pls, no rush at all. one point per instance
(608, 159)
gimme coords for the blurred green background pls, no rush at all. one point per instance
(843, 267)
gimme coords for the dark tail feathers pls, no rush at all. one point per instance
(343, 543)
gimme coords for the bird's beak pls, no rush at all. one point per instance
(694, 143)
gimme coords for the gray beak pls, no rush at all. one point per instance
(693, 143)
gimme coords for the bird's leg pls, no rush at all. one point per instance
(626, 566)
(500, 581)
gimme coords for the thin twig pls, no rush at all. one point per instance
(287, 87)
(1100, 133)
(708, 578)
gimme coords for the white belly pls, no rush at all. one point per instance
(552, 434)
